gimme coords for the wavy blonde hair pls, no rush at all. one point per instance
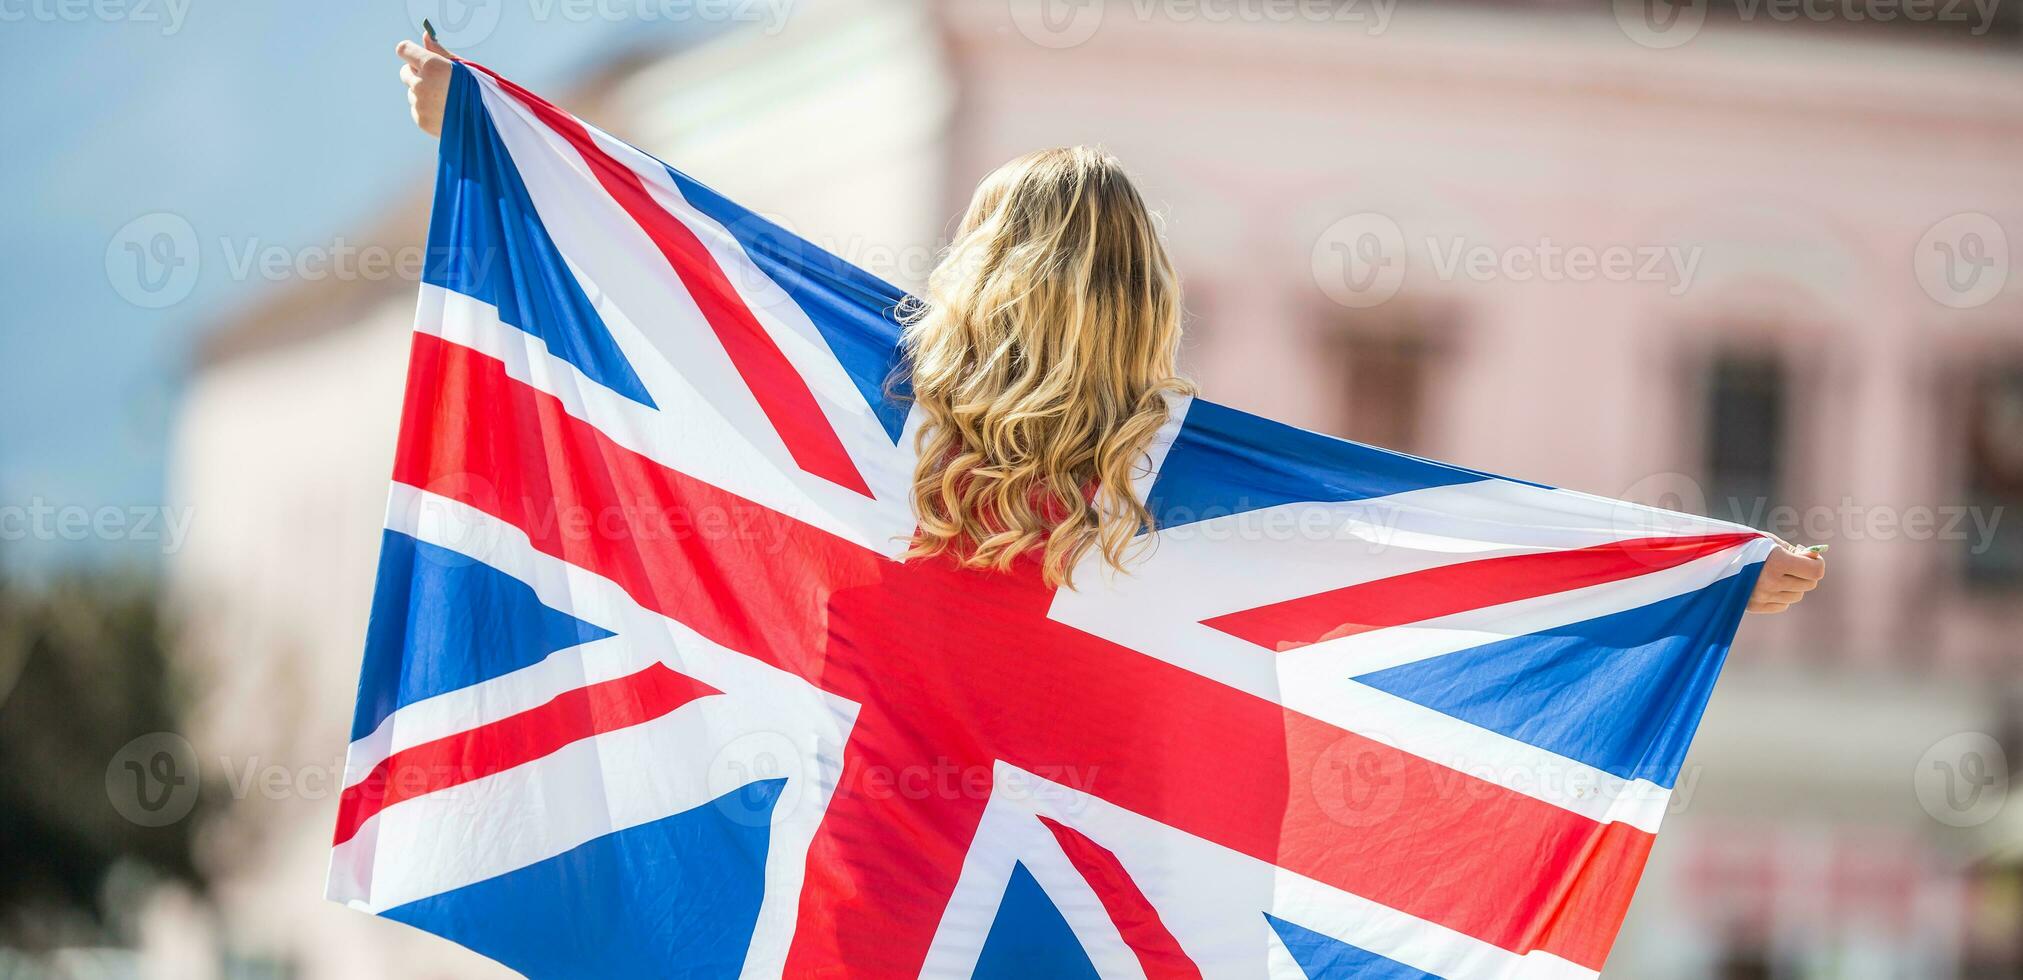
(1040, 358)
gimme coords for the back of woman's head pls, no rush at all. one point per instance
(1040, 358)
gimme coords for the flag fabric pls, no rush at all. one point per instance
(649, 689)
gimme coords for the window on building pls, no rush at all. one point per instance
(1386, 364)
(1746, 416)
(1994, 478)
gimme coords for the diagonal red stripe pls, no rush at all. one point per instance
(1136, 920)
(470, 755)
(1419, 596)
(782, 394)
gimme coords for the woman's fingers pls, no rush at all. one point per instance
(1791, 583)
(1809, 567)
(425, 70)
(1787, 575)
(1784, 561)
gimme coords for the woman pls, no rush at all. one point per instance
(1041, 359)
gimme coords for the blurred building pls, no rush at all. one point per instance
(1378, 219)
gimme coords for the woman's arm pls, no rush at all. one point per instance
(1788, 574)
(425, 70)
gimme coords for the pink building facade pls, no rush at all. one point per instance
(1764, 273)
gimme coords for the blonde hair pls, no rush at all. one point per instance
(1040, 359)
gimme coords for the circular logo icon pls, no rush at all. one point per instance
(152, 261)
(1662, 503)
(757, 776)
(1963, 779)
(1356, 784)
(152, 780)
(458, 23)
(768, 241)
(1360, 260)
(450, 513)
(1661, 24)
(1057, 23)
(1963, 261)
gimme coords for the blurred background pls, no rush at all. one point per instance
(1752, 258)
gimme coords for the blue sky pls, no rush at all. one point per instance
(275, 124)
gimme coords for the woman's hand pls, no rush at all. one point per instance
(425, 70)
(1788, 574)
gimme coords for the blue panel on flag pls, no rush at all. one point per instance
(1228, 462)
(675, 897)
(442, 620)
(856, 312)
(1622, 693)
(1030, 938)
(1325, 956)
(485, 240)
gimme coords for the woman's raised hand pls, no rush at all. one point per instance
(1788, 574)
(425, 70)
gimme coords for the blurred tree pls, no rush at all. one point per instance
(90, 794)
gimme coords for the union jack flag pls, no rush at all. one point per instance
(648, 689)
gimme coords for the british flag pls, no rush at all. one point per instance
(648, 689)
